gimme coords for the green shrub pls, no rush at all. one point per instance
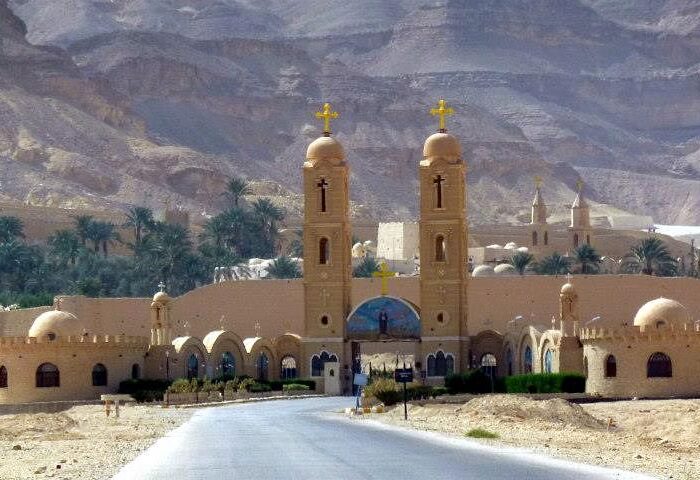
(295, 387)
(384, 390)
(475, 382)
(245, 384)
(438, 391)
(208, 386)
(481, 433)
(144, 390)
(278, 385)
(259, 387)
(181, 385)
(231, 385)
(546, 383)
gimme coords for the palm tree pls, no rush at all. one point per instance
(103, 234)
(555, 264)
(521, 261)
(65, 246)
(650, 257)
(140, 219)
(366, 268)
(217, 229)
(10, 228)
(236, 189)
(284, 267)
(268, 215)
(587, 258)
(83, 225)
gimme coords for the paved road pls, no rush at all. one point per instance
(304, 439)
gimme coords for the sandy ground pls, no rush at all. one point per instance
(658, 437)
(82, 441)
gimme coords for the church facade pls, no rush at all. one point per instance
(614, 329)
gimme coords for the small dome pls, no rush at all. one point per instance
(523, 249)
(511, 246)
(504, 269)
(55, 323)
(325, 148)
(161, 297)
(441, 145)
(661, 312)
(568, 288)
(483, 271)
(495, 246)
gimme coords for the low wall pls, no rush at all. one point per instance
(43, 407)
(208, 397)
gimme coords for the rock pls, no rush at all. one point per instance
(16, 447)
(40, 470)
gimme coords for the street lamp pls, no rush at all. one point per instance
(167, 364)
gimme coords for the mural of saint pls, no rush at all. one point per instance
(383, 322)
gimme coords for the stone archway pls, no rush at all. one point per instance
(486, 343)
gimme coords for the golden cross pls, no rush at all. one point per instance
(538, 181)
(326, 115)
(579, 185)
(385, 274)
(442, 111)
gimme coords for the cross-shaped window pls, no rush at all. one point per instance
(438, 190)
(323, 185)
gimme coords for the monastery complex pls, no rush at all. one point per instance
(630, 335)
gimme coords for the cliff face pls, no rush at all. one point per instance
(139, 100)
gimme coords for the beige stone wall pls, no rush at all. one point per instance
(74, 359)
(16, 323)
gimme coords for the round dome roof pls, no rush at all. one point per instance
(504, 269)
(483, 271)
(568, 288)
(161, 297)
(441, 145)
(511, 246)
(325, 147)
(55, 322)
(662, 311)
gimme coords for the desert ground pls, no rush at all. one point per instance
(658, 437)
(80, 443)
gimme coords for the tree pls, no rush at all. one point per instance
(366, 268)
(521, 261)
(236, 189)
(587, 259)
(218, 230)
(650, 257)
(64, 246)
(284, 267)
(268, 215)
(102, 234)
(83, 224)
(555, 264)
(10, 229)
(140, 219)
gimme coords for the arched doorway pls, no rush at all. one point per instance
(227, 365)
(288, 368)
(192, 366)
(263, 367)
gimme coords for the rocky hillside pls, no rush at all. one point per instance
(121, 101)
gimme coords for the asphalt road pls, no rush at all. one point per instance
(305, 439)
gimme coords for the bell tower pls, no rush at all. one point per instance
(327, 264)
(580, 231)
(539, 230)
(443, 247)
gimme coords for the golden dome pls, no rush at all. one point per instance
(327, 148)
(161, 297)
(661, 312)
(568, 289)
(441, 145)
(55, 323)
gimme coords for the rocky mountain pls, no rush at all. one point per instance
(109, 102)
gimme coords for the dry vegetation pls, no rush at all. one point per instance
(80, 443)
(659, 437)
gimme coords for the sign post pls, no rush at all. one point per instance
(404, 375)
(359, 380)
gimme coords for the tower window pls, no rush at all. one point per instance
(323, 253)
(588, 239)
(438, 190)
(323, 186)
(546, 238)
(575, 240)
(659, 365)
(440, 248)
(534, 239)
(610, 367)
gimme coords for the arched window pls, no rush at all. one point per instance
(588, 239)
(136, 371)
(47, 375)
(323, 253)
(318, 361)
(288, 368)
(548, 358)
(575, 240)
(3, 377)
(440, 249)
(228, 364)
(585, 367)
(534, 239)
(99, 375)
(509, 361)
(438, 181)
(322, 188)
(263, 365)
(659, 366)
(440, 364)
(489, 364)
(546, 238)
(192, 366)
(527, 360)
(610, 366)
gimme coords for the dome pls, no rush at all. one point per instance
(504, 269)
(568, 288)
(483, 271)
(511, 246)
(161, 297)
(523, 249)
(325, 148)
(441, 145)
(662, 311)
(55, 323)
